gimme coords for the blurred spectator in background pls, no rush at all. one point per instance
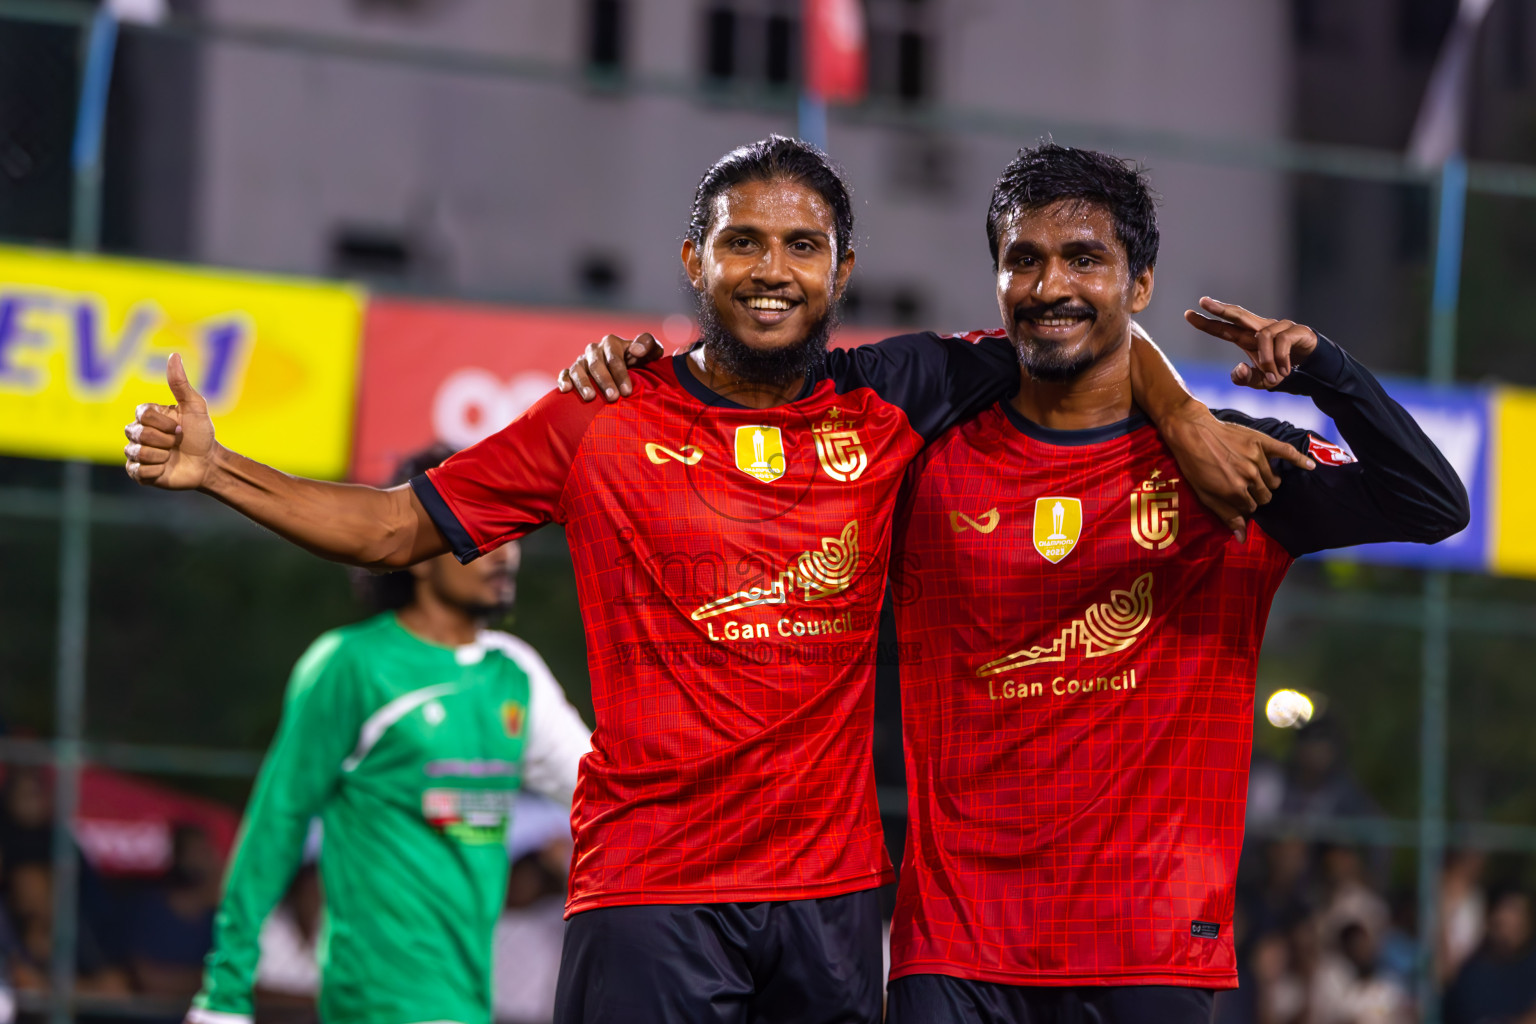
(530, 934)
(170, 924)
(26, 815)
(10, 955)
(1284, 970)
(30, 892)
(1463, 911)
(26, 883)
(1350, 987)
(1280, 895)
(1318, 782)
(1400, 945)
(1497, 984)
(288, 975)
(1348, 898)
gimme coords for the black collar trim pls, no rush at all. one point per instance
(704, 393)
(1073, 438)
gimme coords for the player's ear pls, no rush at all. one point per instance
(841, 275)
(693, 264)
(1141, 291)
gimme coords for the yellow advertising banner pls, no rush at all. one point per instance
(83, 339)
(1513, 530)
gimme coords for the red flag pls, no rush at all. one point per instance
(834, 49)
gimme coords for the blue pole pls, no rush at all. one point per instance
(75, 546)
(90, 127)
(813, 121)
(1450, 230)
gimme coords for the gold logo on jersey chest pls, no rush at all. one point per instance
(760, 452)
(838, 447)
(818, 573)
(960, 522)
(1058, 524)
(1107, 627)
(1155, 512)
(688, 455)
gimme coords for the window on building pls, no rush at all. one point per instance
(1325, 26)
(1515, 40)
(901, 50)
(778, 63)
(1307, 22)
(923, 164)
(372, 252)
(605, 35)
(1422, 25)
(600, 276)
(758, 42)
(752, 42)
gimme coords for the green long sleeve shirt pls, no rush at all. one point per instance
(410, 754)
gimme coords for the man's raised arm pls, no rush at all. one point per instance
(172, 447)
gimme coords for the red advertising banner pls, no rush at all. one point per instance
(457, 373)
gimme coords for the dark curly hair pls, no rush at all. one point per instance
(1049, 173)
(776, 158)
(387, 592)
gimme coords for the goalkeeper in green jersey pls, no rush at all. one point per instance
(408, 735)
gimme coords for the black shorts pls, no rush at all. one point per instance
(941, 999)
(791, 962)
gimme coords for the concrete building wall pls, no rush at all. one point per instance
(518, 188)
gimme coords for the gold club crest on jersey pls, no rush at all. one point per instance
(1155, 512)
(1058, 524)
(760, 452)
(838, 448)
(513, 717)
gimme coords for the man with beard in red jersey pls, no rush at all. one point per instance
(729, 525)
(1078, 725)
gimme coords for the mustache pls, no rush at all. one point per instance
(1035, 311)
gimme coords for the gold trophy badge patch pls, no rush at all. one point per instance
(760, 452)
(1058, 524)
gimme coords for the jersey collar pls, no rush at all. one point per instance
(698, 389)
(1072, 438)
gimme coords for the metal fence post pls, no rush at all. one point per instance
(75, 545)
(1435, 650)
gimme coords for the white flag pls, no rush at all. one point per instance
(1440, 128)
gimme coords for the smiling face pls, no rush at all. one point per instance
(768, 269)
(1065, 288)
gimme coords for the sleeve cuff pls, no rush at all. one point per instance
(1323, 368)
(199, 1015)
(459, 541)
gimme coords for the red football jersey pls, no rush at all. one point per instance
(730, 565)
(1078, 711)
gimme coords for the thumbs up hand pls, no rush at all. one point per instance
(171, 446)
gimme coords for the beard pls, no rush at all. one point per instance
(1051, 362)
(483, 612)
(772, 368)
